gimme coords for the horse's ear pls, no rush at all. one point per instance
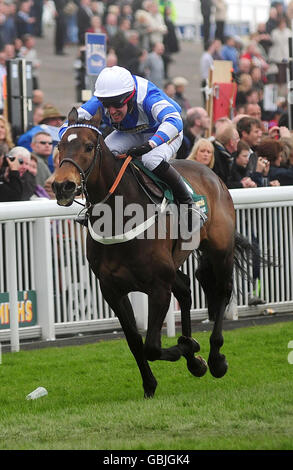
(72, 116)
(96, 119)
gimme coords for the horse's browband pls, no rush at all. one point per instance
(89, 126)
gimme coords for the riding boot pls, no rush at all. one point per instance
(171, 176)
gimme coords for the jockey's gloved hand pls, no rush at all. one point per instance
(138, 151)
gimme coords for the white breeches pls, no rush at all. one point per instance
(120, 142)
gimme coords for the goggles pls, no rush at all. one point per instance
(116, 101)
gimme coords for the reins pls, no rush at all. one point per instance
(121, 172)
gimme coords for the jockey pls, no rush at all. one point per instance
(146, 124)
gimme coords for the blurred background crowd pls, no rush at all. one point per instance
(251, 146)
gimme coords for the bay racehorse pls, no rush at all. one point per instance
(152, 266)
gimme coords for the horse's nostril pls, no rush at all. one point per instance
(69, 186)
(55, 187)
(63, 189)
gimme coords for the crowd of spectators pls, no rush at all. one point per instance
(140, 35)
(251, 147)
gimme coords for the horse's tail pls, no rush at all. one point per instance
(248, 255)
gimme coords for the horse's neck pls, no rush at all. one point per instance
(106, 172)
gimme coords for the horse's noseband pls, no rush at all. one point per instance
(84, 174)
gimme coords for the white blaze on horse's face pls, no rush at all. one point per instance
(71, 137)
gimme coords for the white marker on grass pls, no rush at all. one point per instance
(37, 393)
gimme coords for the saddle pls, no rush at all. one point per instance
(159, 189)
(145, 179)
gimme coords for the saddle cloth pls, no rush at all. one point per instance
(160, 189)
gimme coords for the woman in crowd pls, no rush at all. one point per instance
(272, 150)
(203, 152)
(5, 133)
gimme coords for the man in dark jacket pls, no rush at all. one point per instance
(225, 144)
(23, 21)
(60, 27)
(84, 14)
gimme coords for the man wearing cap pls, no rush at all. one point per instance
(147, 125)
(50, 123)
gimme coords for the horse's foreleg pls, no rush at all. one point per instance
(187, 345)
(216, 280)
(158, 304)
(123, 310)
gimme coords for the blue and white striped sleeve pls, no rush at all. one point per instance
(166, 114)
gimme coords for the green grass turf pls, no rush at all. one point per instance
(95, 397)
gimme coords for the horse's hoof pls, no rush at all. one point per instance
(218, 367)
(149, 390)
(192, 345)
(197, 366)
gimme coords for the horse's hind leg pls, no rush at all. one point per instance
(215, 276)
(123, 310)
(188, 346)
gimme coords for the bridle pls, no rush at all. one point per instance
(84, 174)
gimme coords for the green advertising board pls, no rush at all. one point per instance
(27, 309)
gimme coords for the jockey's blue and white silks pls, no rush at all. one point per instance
(153, 113)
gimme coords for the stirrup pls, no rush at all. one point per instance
(201, 213)
(190, 221)
(195, 218)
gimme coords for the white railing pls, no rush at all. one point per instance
(42, 249)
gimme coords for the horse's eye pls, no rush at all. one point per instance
(89, 147)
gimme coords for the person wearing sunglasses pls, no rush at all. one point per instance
(42, 147)
(146, 124)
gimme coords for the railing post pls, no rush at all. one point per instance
(231, 312)
(140, 307)
(170, 320)
(11, 272)
(44, 277)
